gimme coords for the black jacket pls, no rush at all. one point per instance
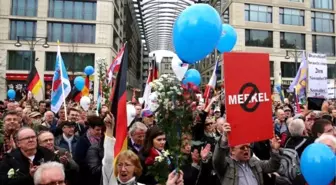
(94, 158)
(82, 147)
(18, 161)
(298, 143)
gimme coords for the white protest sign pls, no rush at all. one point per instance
(331, 88)
(317, 75)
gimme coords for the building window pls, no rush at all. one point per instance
(74, 62)
(24, 7)
(22, 28)
(66, 9)
(288, 69)
(322, 22)
(72, 33)
(324, 44)
(299, 1)
(258, 13)
(331, 71)
(291, 16)
(20, 60)
(259, 38)
(272, 68)
(167, 66)
(226, 17)
(292, 40)
(322, 4)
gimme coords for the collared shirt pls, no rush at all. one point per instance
(245, 175)
(136, 146)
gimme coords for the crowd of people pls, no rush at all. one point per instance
(76, 147)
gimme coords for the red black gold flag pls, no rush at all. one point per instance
(34, 82)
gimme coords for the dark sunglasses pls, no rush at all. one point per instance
(208, 124)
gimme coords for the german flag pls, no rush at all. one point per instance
(118, 106)
(34, 82)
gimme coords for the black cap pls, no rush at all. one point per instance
(68, 123)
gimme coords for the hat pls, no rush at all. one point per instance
(147, 113)
(34, 114)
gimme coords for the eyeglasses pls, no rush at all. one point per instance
(28, 138)
(54, 183)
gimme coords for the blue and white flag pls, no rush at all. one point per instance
(61, 87)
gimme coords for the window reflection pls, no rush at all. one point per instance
(291, 16)
(288, 69)
(24, 8)
(324, 44)
(73, 9)
(22, 28)
(258, 13)
(73, 61)
(322, 22)
(322, 4)
(259, 38)
(77, 33)
(292, 40)
(20, 60)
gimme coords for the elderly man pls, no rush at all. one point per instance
(234, 165)
(68, 140)
(298, 139)
(50, 121)
(46, 140)
(50, 173)
(328, 140)
(148, 118)
(25, 159)
(136, 139)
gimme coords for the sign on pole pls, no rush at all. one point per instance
(317, 75)
(248, 97)
(331, 88)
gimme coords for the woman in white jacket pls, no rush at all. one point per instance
(127, 166)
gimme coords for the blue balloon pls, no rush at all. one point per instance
(228, 39)
(89, 70)
(196, 32)
(79, 83)
(192, 76)
(11, 94)
(318, 164)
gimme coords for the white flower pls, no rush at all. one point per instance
(159, 158)
(166, 153)
(179, 93)
(164, 76)
(166, 100)
(11, 173)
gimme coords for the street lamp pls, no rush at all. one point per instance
(32, 41)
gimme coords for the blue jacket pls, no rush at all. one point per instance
(60, 142)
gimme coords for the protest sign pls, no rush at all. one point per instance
(317, 75)
(331, 89)
(248, 97)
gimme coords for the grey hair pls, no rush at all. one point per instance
(135, 126)
(45, 166)
(16, 135)
(326, 137)
(48, 112)
(296, 127)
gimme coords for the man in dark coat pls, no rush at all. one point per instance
(18, 167)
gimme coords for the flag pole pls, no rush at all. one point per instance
(61, 76)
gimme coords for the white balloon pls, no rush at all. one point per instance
(131, 113)
(85, 103)
(179, 67)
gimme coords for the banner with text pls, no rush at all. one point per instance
(331, 89)
(318, 75)
(248, 97)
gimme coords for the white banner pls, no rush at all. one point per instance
(317, 75)
(331, 88)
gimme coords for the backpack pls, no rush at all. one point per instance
(289, 166)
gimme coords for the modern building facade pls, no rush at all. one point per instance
(281, 28)
(134, 44)
(87, 30)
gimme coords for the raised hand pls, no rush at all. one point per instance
(205, 152)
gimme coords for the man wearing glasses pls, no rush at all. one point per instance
(19, 166)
